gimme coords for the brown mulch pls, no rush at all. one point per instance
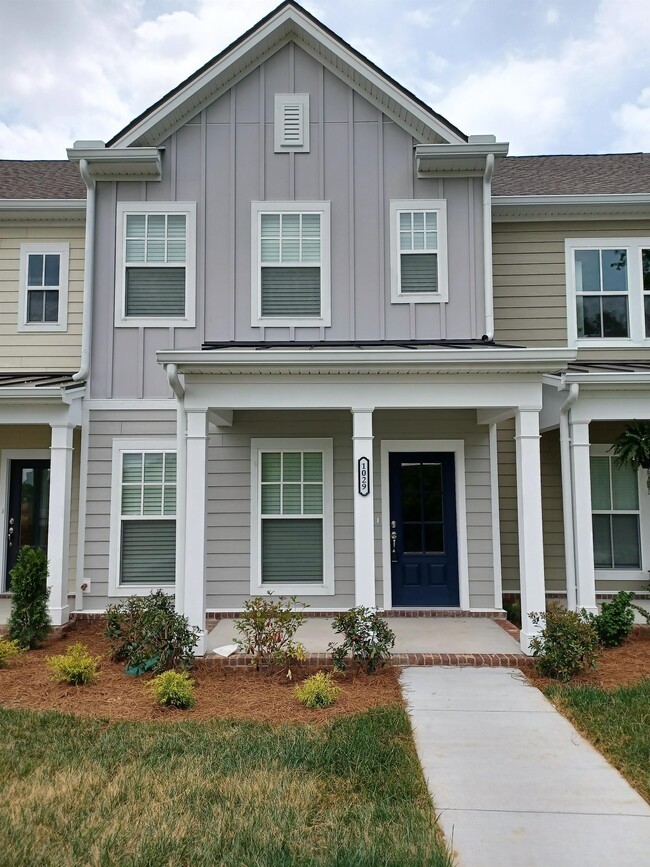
(626, 665)
(224, 693)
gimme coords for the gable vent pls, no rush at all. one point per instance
(291, 131)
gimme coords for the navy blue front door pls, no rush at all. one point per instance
(424, 540)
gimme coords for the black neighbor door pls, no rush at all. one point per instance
(29, 494)
(424, 542)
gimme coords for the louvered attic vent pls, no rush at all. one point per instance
(291, 122)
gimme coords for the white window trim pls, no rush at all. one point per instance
(636, 312)
(121, 319)
(442, 295)
(281, 100)
(325, 319)
(286, 445)
(644, 528)
(63, 250)
(121, 445)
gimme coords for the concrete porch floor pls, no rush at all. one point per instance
(457, 635)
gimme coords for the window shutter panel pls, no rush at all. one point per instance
(292, 551)
(155, 291)
(419, 272)
(148, 552)
(291, 292)
(292, 124)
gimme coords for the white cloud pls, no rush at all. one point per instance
(633, 120)
(552, 15)
(419, 17)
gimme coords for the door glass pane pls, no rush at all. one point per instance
(412, 538)
(411, 493)
(600, 494)
(27, 491)
(625, 538)
(602, 542)
(42, 508)
(434, 541)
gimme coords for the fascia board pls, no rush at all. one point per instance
(460, 150)
(632, 378)
(132, 163)
(42, 204)
(628, 205)
(40, 395)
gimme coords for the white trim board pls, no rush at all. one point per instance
(457, 448)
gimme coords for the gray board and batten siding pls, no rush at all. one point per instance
(224, 159)
(228, 520)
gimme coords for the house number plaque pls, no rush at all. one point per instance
(364, 477)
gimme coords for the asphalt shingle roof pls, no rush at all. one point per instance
(40, 179)
(582, 174)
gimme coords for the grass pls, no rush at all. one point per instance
(82, 792)
(616, 721)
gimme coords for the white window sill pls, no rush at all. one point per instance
(141, 589)
(297, 322)
(293, 590)
(43, 328)
(154, 322)
(420, 298)
(609, 343)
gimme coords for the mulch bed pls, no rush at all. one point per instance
(225, 693)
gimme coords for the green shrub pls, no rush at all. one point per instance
(8, 649)
(616, 619)
(173, 689)
(319, 690)
(75, 666)
(566, 645)
(148, 634)
(29, 621)
(267, 628)
(367, 639)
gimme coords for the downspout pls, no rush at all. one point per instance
(89, 266)
(181, 464)
(567, 496)
(487, 249)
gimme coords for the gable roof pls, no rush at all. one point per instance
(40, 179)
(572, 175)
(288, 22)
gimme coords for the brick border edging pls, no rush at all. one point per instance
(324, 660)
(214, 615)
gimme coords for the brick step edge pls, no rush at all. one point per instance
(324, 660)
(213, 614)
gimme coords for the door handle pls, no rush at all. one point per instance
(393, 539)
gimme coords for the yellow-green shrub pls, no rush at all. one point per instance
(319, 690)
(173, 689)
(77, 666)
(8, 649)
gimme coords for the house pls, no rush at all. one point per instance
(42, 230)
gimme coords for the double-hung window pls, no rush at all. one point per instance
(290, 264)
(418, 251)
(143, 519)
(608, 282)
(292, 516)
(156, 264)
(43, 304)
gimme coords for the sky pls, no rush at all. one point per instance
(548, 76)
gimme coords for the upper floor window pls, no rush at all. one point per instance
(43, 294)
(156, 264)
(608, 290)
(290, 264)
(418, 251)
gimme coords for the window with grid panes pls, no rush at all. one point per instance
(43, 287)
(290, 258)
(291, 501)
(148, 517)
(615, 514)
(155, 257)
(418, 251)
(602, 288)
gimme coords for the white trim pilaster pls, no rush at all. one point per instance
(58, 528)
(196, 480)
(496, 515)
(583, 532)
(364, 530)
(529, 510)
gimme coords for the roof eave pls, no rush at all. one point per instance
(589, 206)
(134, 163)
(463, 160)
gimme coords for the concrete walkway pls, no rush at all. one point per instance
(512, 780)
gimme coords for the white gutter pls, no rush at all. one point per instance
(487, 247)
(567, 495)
(42, 205)
(89, 266)
(181, 487)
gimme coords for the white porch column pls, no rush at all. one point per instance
(196, 484)
(58, 525)
(583, 532)
(529, 510)
(364, 526)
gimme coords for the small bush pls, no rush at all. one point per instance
(616, 619)
(8, 649)
(29, 621)
(319, 690)
(267, 628)
(368, 639)
(76, 666)
(148, 634)
(567, 644)
(173, 689)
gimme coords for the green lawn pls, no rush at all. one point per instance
(616, 721)
(82, 792)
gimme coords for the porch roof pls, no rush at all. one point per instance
(602, 373)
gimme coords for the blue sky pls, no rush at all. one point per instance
(547, 76)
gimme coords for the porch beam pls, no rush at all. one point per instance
(364, 525)
(583, 532)
(196, 457)
(494, 415)
(58, 527)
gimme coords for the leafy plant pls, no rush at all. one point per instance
(616, 619)
(147, 633)
(8, 650)
(76, 666)
(566, 645)
(267, 628)
(632, 447)
(173, 689)
(319, 690)
(29, 621)
(368, 639)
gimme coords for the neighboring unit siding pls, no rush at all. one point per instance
(39, 351)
